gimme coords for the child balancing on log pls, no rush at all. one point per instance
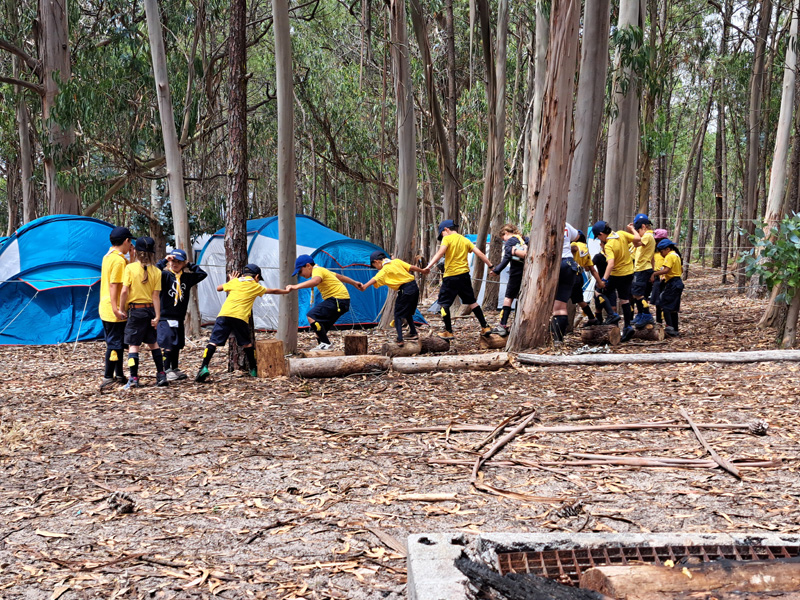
(396, 274)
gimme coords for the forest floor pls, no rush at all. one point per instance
(242, 488)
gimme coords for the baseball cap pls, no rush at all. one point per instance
(145, 244)
(665, 243)
(377, 255)
(446, 224)
(119, 235)
(302, 261)
(641, 219)
(179, 254)
(251, 269)
(599, 227)
(660, 234)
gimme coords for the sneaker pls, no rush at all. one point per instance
(627, 333)
(670, 331)
(643, 320)
(133, 382)
(501, 330)
(161, 379)
(253, 372)
(121, 379)
(486, 331)
(172, 375)
(592, 322)
(202, 374)
(180, 374)
(400, 343)
(323, 346)
(107, 381)
(412, 337)
(612, 319)
(447, 335)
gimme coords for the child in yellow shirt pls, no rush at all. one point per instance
(112, 313)
(658, 262)
(670, 301)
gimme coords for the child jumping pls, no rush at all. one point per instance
(670, 299)
(335, 297)
(141, 287)
(178, 277)
(112, 313)
(456, 281)
(396, 274)
(234, 317)
(515, 249)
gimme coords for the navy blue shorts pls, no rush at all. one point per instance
(327, 312)
(406, 304)
(641, 285)
(138, 329)
(456, 286)
(513, 286)
(621, 284)
(170, 338)
(577, 290)
(671, 295)
(225, 327)
(114, 334)
(655, 293)
(566, 279)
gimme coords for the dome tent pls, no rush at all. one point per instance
(327, 247)
(50, 280)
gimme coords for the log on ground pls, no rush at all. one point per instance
(601, 334)
(651, 333)
(338, 366)
(270, 358)
(355, 344)
(319, 353)
(392, 349)
(492, 342)
(648, 581)
(474, 362)
(432, 344)
(663, 358)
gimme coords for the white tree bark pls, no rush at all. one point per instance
(539, 77)
(589, 106)
(172, 151)
(287, 244)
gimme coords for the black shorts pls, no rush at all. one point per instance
(225, 327)
(655, 293)
(513, 286)
(328, 311)
(406, 304)
(170, 338)
(641, 285)
(138, 329)
(671, 295)
(114, 334)
(456, 286)
(577, 290)
(621, 284)
(566, 279)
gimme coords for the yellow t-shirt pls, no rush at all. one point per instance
(456, 254)
(242, 293)
(617, 249)
(111, 271)
(582, 256)
(645, 252)
(138, 292)
(659, 261)
(329, 287)
(673, 262)
(393, 273)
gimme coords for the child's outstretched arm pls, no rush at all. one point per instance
(314, 281)
(346, 279)
(482, 256)
(364, 286)
(231, 277)
(275, 291)
(414, 269)
(439, 254)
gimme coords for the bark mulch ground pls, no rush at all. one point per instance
(245, 488)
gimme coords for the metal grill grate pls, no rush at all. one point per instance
(566, 566)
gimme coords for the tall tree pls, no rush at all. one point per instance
(544, 251)
(287, 244)
(541, 43)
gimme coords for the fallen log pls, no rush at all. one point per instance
(355, 344)
(664, 357)
(717, 458)
(601, 334)
(432, 344)
(338, 366)
(492, 342)
(270, 358)
(319, 353)
(475, 362)
(648, 581)
(427, 345)
(651, 333)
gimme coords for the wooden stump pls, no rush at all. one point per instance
(319, 353)
(651, 333)
(492, 342)
(270, 358)
(601, 334)
(407, 349)
(355, 344)
(433, 344)
(338, 366)
(475, 362)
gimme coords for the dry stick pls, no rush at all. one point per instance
(500, 428)
(499, 444)
(717, 458)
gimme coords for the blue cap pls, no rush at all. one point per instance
(179, 254)
(599, 227)
(446, 224)
(302, 261)
(377, 255)
(145, 244)
(665, 243)
(641, 219)
(119, 235)
(251, 269)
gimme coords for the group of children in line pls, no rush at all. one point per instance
(143, 303)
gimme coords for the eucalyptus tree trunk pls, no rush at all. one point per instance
(719, 218)
(12, 203)
(25, 159)
(172, 151)
(753, 134)
(541, 44)
(236, 209)
(539, 283)
(623, 132)
(55, 56)
(406, 145)
(589, 106)
(451, 211)
(287, 242)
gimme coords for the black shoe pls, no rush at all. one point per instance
(612, 319)
(591, 323)
(627, 333)
(161, 379)
(121, 379)
(670, 331)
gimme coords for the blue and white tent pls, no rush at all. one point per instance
(50, 280)
(327, 247)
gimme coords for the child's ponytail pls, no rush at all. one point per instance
(146, 259)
